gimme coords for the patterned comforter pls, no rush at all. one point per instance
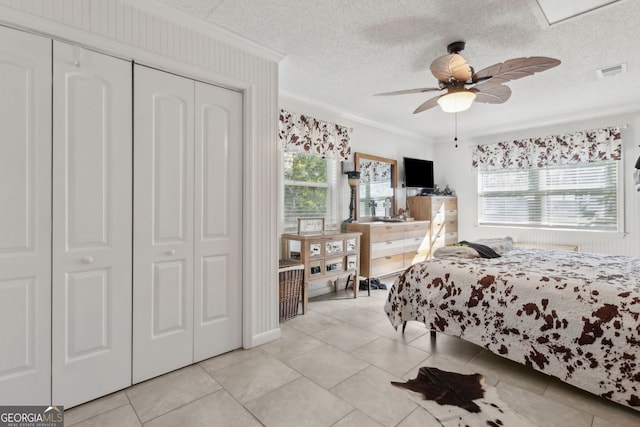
(568, 314)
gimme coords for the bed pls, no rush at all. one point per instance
(571, 315)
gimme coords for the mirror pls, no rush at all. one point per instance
(376, 190)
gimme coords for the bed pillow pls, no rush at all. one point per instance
(500, 245)
(456, 251)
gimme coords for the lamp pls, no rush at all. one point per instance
(456, 100)
(353, 177)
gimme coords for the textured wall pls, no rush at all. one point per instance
(153, 35)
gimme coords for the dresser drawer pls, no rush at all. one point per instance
(333, 247)
(444, 215)
(444, 227)
(387, 265)
(415, 226)
(451, 203)
(422, 231)
(444, 203)
(386, 248)
(334, 265)
(384, 232)
(416, 244)
(316, 269)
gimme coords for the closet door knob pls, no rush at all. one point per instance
(171, 252)
(87, 259)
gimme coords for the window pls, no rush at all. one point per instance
(309, 189)
(581, 196)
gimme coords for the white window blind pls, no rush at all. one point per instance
(580, 196)
(310, 189)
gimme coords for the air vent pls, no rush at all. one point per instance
(611, 71)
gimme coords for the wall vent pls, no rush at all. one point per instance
(614, 70)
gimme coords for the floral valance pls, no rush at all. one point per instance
(576, 147)
(373, 171)
(302, 133)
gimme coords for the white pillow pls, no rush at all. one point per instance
(455, 251)
(500, 245)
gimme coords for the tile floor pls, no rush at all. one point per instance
(332, 367)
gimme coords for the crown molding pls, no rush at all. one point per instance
(209, 28)
(555, 121)
(372, 123)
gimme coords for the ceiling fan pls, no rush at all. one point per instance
(464, 86)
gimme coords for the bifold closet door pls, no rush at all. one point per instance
(163, 223)
(25, 218)
(187, 222)
(92, 224)
(218, 221)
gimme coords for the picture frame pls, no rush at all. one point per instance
(310, 225)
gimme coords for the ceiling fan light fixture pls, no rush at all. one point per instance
(455, 102)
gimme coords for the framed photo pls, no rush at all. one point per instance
(310, 225)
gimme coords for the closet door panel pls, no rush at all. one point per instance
(163, 223)
(25, 218)
(87, 162)
(92, 218)
(218, 221)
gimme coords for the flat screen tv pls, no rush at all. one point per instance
(418, 173)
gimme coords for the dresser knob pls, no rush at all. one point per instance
(87, 259)
(171, 252)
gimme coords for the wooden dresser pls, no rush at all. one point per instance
(390, 247)
(326, 256)
(442, 211)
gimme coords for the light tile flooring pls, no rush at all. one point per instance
(333, 367)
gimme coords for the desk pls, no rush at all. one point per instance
(326, 256)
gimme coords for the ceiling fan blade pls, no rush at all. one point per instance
(514, 69)
(408, 91)
(452, 66)
(491, 93)
(426, 105)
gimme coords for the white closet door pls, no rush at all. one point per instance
(163, 223)
(92, 220)
(218, 221)
(25, 218)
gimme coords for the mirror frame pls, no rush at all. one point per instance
(394, 181)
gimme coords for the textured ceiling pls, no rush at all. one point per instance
(339, 53)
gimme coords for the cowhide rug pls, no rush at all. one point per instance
(461, 400)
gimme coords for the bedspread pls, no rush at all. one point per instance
(568, 314)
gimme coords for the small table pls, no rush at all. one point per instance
(327, 255)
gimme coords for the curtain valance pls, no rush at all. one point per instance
(301, 133)
(576, 147)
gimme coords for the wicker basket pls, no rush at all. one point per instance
(291, 280)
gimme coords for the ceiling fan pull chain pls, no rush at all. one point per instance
(455, 135)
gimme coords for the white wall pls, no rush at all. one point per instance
(368, 138)
(454, 167)
(152, 34)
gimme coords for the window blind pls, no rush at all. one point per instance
(580, 196)
(310, 190)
